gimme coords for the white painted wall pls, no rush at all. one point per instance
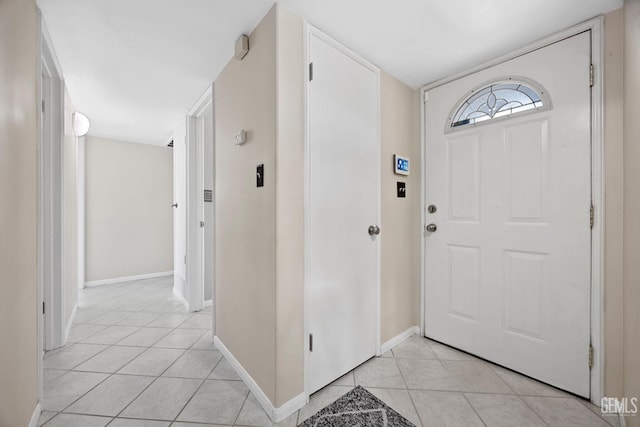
(128, 209)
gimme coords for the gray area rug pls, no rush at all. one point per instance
(357, 408)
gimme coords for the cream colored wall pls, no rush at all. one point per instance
(400, 268)
(632, 203)
(613, 156)
(70, 211)
(129, 220)
(245, 215)
(289, 206)
(18, 173)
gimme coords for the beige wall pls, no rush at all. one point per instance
(129, 220)
(70, 211)
(262, 307)
(18, 142)
(289, 206)
(613, 93)
(632, 203)
(245, 215)
(400, 224)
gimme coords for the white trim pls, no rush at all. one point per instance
(195, 204)
(80, 210)
(181, 298)
(594, 25)
(275, 414)
(208, 303)
(388, 345)
(35, 417)
(597, 196)
(127, 278)
(67, 330)
(308, 31)
(51, 197)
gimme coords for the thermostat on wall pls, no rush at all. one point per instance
(401, 165)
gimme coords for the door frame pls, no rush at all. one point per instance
(309, 31)
(195, 206)
(594, 25)
(50, 211)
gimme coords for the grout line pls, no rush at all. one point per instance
(473, 408)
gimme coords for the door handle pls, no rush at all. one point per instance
(431, 228)
(175, 205)
(374, 230)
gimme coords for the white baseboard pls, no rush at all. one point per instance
(276, 414)
(70, 322)
(181, 298)
(414, 330)
(127, 278)
(35, 417)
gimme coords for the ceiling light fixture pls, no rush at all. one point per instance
(81, 124)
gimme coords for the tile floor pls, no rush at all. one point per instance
(136, 358)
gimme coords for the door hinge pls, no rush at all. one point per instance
(310, 71)
(201, 224)
(590, 356)
(310, 342)
(43, 310)
(592, 215)
(591, 75)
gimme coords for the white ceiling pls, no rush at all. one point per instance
(135, 67)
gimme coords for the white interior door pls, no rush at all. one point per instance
(343, 194)
(508, 268)
(205, 177)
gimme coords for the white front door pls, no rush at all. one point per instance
(508, 267)
(343, 192)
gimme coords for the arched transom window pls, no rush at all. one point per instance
(498, 99)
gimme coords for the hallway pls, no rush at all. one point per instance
(136, 358)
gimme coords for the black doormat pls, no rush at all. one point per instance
(357, 408)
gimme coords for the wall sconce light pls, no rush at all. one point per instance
(81, 124)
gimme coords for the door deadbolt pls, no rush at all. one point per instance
(432, 209)
(374, 230)
(431, 228)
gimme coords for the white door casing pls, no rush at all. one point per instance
(507, 273)
(180, 211)
(342, 201)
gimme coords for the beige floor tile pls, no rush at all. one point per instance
(73, 420)
(563, 411)
(145, 337)
(180, 338)
(152, 362)
(499, 410)
(224, 371)
(163, 400)
(72, 355)
(216, 402)
(476, 377)
(526, 386)
(110, 360)
(444, 409)
(426, 375)
(379, 372)
(414, 347)
(194, 364)
(111, 396)
(110, 335)
(62, 391)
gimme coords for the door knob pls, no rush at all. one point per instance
(374, 230)
(175, 205)
(431, 228)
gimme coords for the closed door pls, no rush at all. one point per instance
(179, 210)
(508, 262)
(342, 258)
